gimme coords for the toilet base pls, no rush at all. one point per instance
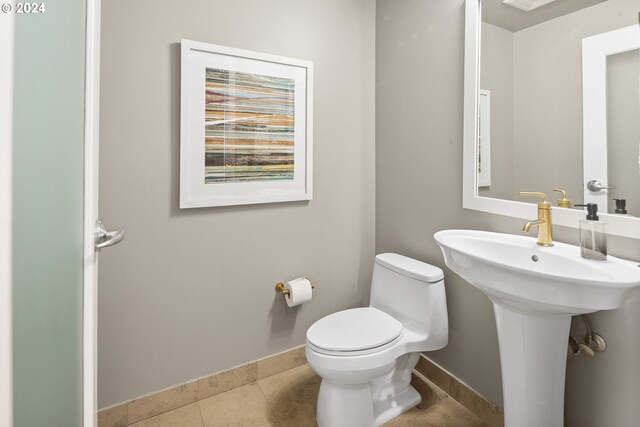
(352, 406)
(385, 410)
(369, 399)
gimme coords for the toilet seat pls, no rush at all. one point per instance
(357, 331)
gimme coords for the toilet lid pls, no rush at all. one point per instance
(353, 330)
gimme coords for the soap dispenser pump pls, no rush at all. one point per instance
(621, 206)
(593, 240)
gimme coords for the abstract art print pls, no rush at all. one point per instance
(249, 130)
(246, 133)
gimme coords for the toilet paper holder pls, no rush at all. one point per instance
(280, 287)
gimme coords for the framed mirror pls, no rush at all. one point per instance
(551, 100)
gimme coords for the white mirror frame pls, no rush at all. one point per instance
(616, 225)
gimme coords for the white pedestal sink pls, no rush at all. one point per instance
(535, 290)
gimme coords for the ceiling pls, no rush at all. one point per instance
(510, 18)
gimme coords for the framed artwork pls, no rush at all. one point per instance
(245, 127)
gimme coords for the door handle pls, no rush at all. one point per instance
(594, 186)
(104, 238)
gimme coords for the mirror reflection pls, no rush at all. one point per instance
(531, 104)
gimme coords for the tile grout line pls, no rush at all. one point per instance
(162, 413)
(201, 415)
(267, 399)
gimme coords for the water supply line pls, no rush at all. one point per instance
(593, 342)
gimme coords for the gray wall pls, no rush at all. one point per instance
(496, 75)
(419, 64)
(419, 191)
(168, 312)
(190, 292)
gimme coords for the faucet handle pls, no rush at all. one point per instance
(543, 203)
(588, 351)
(564, 202)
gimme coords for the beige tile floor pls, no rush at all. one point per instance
(288, 399)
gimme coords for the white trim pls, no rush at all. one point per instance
(484, 130)
(595, 50)
(470, 107)
(7, 46)
(90, 272)
(616, 225)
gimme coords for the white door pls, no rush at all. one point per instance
(48, 213)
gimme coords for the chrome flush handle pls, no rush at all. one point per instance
(104, 238)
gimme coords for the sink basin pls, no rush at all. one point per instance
(528, 277)
(535, 290)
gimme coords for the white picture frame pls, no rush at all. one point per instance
(246, 128)
(484, 138)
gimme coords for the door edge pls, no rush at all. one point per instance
(7, 46)
(90, 268)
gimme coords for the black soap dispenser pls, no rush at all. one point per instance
(593, 240)
(621, 206)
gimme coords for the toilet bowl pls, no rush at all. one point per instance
(365, 355)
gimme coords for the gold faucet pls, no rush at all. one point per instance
(564, 202)
(543, 222)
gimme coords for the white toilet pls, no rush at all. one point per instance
(365, 355)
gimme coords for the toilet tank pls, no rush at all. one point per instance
(411, 291)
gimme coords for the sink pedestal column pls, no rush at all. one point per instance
(533, 358)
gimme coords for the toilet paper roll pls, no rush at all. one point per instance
(299, 291)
